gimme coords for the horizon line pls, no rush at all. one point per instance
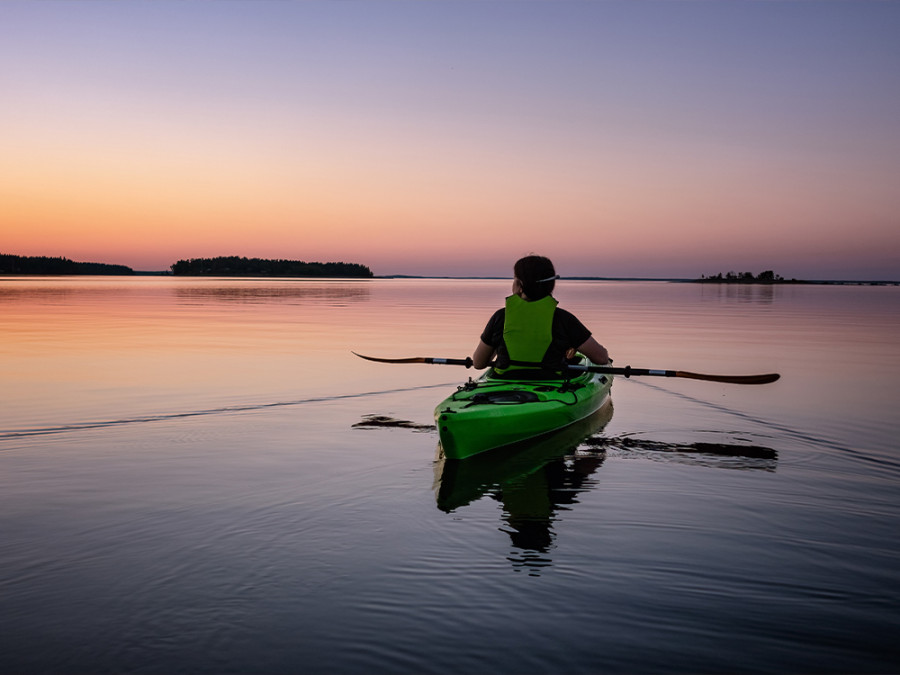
(785, 282)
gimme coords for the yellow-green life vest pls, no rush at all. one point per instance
(528, 330)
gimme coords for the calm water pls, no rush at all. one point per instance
(192, 480)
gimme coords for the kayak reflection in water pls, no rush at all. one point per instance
(533, 480)
(530, 331)
(537, 481)
(530, 504)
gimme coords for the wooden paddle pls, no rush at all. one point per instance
(627, 371)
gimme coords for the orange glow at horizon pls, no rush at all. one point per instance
(162, 209)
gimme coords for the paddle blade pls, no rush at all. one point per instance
(413, 359)
(732, 379)
(467, 362)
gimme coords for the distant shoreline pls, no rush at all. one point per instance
(12, 266)
(667, 280)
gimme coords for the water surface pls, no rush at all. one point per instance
(197, 476)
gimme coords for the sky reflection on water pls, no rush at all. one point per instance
(192, 479)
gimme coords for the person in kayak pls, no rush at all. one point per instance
(531, 332)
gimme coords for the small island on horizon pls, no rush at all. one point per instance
(767, 277)
(236, 266)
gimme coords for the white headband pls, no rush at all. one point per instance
(553, 278)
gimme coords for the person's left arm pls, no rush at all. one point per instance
(485, 352)
(483, 355)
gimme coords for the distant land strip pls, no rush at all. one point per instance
(226, 266)
(17, 264)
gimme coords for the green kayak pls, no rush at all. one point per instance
(495, 411)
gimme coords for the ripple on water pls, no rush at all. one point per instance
(714, 449)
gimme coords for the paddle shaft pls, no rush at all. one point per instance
(627, 371)
(467, 362)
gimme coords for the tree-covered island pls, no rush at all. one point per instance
(767, 277)
(235, 266)
(43, 265)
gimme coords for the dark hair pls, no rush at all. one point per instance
(537, 276)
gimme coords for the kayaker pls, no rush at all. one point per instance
(531, 332)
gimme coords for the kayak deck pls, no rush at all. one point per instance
(493, 411)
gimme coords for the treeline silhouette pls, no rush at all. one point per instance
(17, 264)
(767, 277)
(234, 266)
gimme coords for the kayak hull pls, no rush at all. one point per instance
(492, 411)
(458, 482)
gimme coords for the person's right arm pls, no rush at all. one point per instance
(594, 351)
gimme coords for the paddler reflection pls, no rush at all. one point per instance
(532, 481)
(535, 481)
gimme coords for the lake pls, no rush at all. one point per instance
(197, 476)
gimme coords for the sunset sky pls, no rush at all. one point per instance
(623, 139)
